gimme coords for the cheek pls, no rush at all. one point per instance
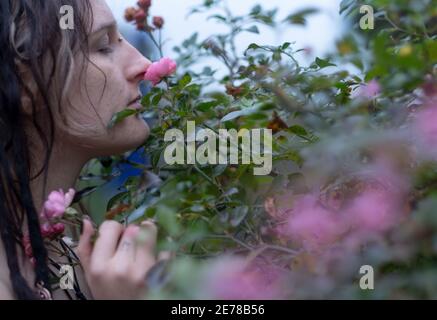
(106, 92)
(96, 97)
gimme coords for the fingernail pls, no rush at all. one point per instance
(148, 222)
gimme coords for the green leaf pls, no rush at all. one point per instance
(345, 5)
(231, 192)
(186, 79)
(217, 17)
(253, 29)
(298, 130)
(238, 214)
(285, 45)
(235, 114)
(197, 208)
(157, 98)
(219, 169)
(252, 46)
(300, 16)
(120, 116)
(324, 63)
(277, 56)
(115, 199)
(256, 10)
(83, 193)
(207, 105)
(431, 48)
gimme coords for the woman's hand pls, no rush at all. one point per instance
(116, 265)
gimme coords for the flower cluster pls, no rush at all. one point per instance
(139, 16)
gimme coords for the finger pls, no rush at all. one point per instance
(107, 242)
(127, 246)
(85, 246)
(146, 243)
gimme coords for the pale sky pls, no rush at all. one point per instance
(319, 34)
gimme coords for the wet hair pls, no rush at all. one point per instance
(36, 63)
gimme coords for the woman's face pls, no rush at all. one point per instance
(109, 83)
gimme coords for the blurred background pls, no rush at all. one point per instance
(319, 33)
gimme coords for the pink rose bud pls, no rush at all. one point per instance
(144, 4)
(158, 22)
(46, 230)
(129, 14)
(58, 228)
(140, 16)
(159, 70)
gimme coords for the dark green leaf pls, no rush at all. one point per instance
(115, 199)
(324, 63)
(118, 117)
(253, 29)
(300, 16)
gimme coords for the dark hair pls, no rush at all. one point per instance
(32, 43)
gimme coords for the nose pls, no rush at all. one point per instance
(137, 65)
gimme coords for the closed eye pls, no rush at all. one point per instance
(105, 45)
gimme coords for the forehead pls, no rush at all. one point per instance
(102, 14)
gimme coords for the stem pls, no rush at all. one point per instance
(155, 43)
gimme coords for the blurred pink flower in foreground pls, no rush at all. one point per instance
(231, 279)
(159, 70)
(312, 224)
(53, 210)
(374, 211)
(57, 203)
(369, 90)
(371, 201)
(424, 128)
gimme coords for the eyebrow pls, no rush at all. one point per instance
(104, 26)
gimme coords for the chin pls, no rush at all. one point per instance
(129, 135)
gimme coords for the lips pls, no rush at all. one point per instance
(135, 102)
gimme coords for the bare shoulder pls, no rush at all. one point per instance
(5, 284)
(5, 292)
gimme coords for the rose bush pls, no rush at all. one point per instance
(354, 176)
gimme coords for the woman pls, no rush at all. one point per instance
(58, 91)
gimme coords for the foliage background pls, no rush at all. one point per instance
(335, 121)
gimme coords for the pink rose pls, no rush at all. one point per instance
(57, 203)
(159, 70)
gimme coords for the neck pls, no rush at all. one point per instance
(64, 168)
